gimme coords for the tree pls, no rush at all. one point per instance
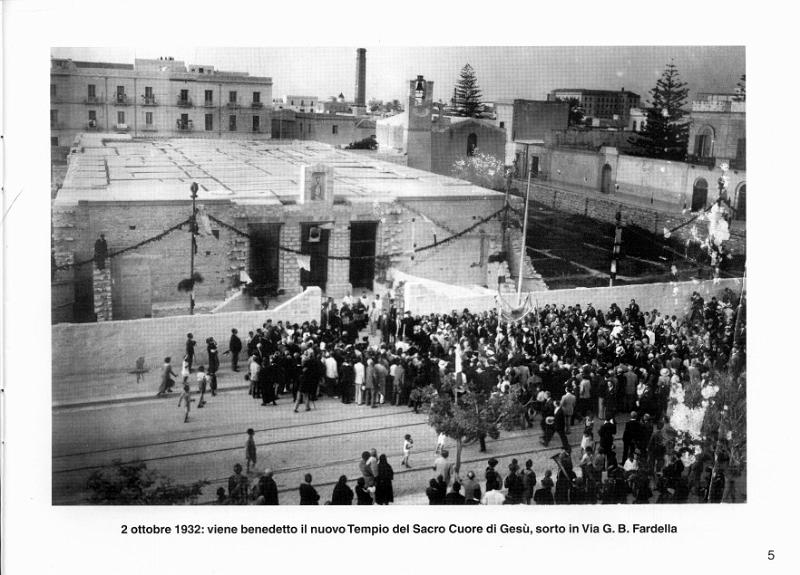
(475, 415)
(375, 105)
(368, 143)
(576, 115)
(133, 484)
(482, 170)
(467, 95)
(665, 136)
(741, 89)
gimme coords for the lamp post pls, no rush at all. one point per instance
(193, 224)
(524, 237)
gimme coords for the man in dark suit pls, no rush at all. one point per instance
(560, 425)
(235, 348)
(268, 489)
(631, 435)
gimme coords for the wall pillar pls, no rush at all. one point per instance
(101, 288)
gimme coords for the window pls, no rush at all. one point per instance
(335, 129)
(120, 117)
(92, 91)
(54, 141)
(256, 97)
(209, 122)
(53, 118)
(52, 90)
(148, 95)
(184, 95)
(121, 94)
(704, 143)
(148, 118)
(232, 97)
(502, 125)
(256, 123)
(302, 102)
(201, 70)
(232, 123)
(209, 96)
(472, 144)
(92, 115)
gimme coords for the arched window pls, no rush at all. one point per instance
(704, 142)
(699, 195)
(472, 144)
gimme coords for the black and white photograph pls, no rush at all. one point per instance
(302, 264)
(267, 293)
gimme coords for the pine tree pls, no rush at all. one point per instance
(467, 95)
(665, 136)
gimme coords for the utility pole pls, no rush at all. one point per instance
(524, 237)
(615, 252)
(194, 189)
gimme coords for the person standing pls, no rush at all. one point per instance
(238, 486)
(308, 494)
(384, 493)
(342, 494)
(379, 383)
(255, 371)
(408, 445)
(268, 489)
(366, 470)
(190, 345)
(454, 497)
(250, 450)
(358, 383)
(235, 348)
(443, 467)
(363, 496)
(568, 402)
(472, 490)
(528, 482)
(201, 386)
(331, 375)
(213, 356)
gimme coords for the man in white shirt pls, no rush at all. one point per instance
(331, 375)
(358, 367)
(493, 497)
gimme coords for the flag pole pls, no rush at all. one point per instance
(524, 236)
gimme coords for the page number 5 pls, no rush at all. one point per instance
(770, 555)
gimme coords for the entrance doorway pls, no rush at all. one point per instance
(699, 195)
(264, 258)
(362, 246)
(605, 180)
(741, 202)
(314, 242)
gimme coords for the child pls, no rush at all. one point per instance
(440, 443)
(185, 371)
(250, 450)
(587, 441)
(408, 444)
(201, 386)
(186, 397)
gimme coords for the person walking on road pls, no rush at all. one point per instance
(190, 345)
(250, 450)
(166, 378)
(186, 397)
(384, 493)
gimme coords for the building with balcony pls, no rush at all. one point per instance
(296, 103)
(155, 98)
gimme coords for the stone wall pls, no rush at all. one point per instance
(113, 346)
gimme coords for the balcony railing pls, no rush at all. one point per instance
(149, 100)
(93, 126)
(257, 105)
(233, 105)
(185, 102)
(93, 100)
(701, 160)
(184, 126)
(120, 100)
(208, 104)
(121, 128)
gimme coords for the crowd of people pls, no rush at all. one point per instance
(565, 364)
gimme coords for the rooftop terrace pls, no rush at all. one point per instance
(118, 168)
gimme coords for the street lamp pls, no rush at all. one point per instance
(194, 187)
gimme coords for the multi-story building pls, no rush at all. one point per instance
(296, 103)
(600, 104)
(717, 130)
(156, 98)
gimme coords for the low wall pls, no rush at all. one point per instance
(113, 346)
(671, 298)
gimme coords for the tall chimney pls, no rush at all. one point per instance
(361, 77)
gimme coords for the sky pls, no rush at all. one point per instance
(502, 72)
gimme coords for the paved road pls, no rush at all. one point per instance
(325, 442)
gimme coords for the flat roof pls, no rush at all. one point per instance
(118, 168)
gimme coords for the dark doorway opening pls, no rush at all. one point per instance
(699, 195)
(472, 144)
(264, 258)
(314, 242)
(605, 180)
(362, 247)
(741, 203)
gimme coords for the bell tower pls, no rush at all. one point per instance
(420, 110)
